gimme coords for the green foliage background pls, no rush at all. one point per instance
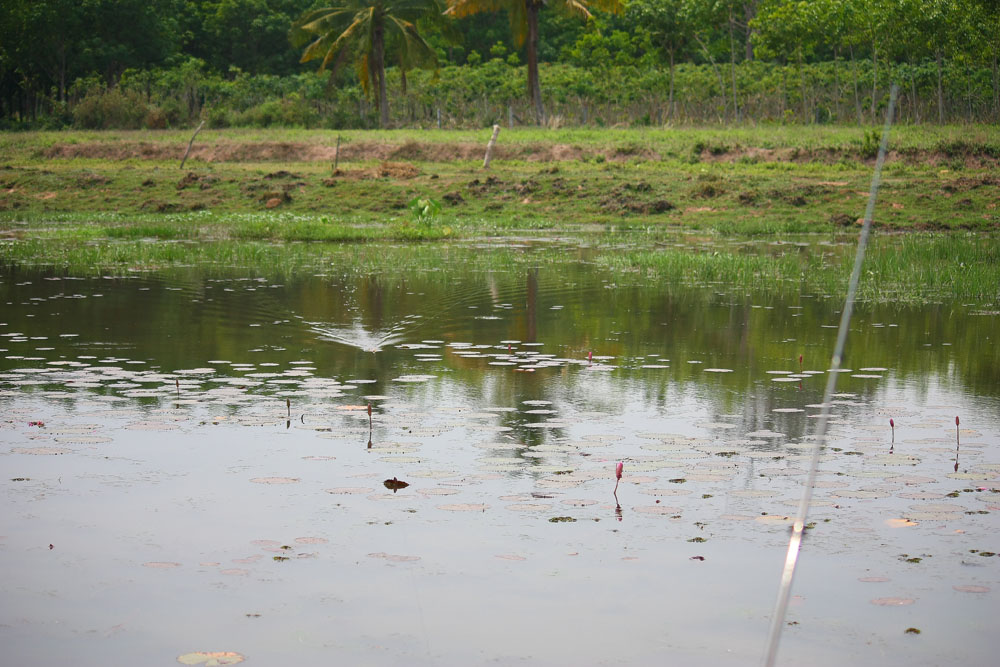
(170, 63)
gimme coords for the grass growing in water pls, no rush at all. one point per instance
(898, 268)
(906, 268)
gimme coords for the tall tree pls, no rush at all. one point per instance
(665, 21)
(791, 27)
(524, 26)
(365, 29)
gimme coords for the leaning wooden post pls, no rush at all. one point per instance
(191, 143)
(489, 147)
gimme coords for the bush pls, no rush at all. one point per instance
(156, 119)
(108, 109)
(292, 111)
(219, 117)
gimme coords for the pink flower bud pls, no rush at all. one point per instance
(892, 424)
(618, 470)
(956, 420)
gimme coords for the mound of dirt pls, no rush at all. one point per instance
(272, 151)
(282, 151)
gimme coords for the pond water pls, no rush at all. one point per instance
(189, 465)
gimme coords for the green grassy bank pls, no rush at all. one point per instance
(739, 181)
(97, 199)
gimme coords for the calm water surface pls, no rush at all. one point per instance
(206, 478)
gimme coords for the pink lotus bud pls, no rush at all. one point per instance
(956, 420)
(618, 470)
(590, 355)
(892, 424)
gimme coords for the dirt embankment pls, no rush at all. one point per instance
(271, 151)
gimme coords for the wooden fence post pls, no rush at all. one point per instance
(190, 143)
(489, 147)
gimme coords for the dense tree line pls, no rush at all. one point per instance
(335, 63)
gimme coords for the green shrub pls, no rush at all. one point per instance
(101, 110)
(219, 117)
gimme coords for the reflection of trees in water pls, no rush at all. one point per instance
(931, 349)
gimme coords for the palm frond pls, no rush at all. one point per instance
(462, 8)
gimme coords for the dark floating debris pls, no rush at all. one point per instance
(395, 484)
(911, 631)
(562, 519)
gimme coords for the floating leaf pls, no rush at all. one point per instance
(210, 658)
(972, 589)
(40, 451)
(527, 507)
(464, 507)
(394, 558)
(656, 509)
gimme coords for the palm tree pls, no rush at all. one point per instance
(524, 26)
(364, 30)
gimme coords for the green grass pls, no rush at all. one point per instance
(746, 181)
(897, 269)
(905, 268)
(637, 187)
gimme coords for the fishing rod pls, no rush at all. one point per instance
(798, 527)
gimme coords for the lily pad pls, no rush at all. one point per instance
(210, 658)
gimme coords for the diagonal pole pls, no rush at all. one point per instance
(795, 542)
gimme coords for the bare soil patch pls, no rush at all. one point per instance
(278, 151)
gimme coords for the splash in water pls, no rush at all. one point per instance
(356, 335)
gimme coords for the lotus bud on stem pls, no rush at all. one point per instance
(618, 476)
(957, 442)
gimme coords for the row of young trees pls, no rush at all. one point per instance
(56, 54)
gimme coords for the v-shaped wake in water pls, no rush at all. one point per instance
(356, 335)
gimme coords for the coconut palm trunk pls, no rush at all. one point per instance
(534, 85)
(523, 16)
(378, 64)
